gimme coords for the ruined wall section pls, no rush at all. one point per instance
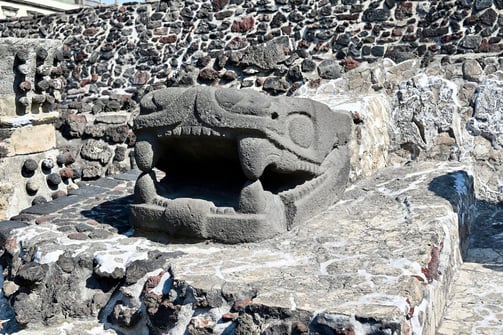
(273, 45)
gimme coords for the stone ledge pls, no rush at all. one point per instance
(383, 258)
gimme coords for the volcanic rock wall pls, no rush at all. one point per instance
(112, 55)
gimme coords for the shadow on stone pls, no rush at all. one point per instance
(113, 213)
(480, 221)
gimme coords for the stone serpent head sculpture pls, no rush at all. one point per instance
(240, 166)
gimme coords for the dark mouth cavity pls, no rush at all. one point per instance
(208, 168)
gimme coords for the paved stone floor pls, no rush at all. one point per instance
(476, 305)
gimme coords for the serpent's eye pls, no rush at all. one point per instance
(301, 130)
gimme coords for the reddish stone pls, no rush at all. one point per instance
(350, 64)
(92, 222)
(208, 74)
(44, 219)
(471, 20)
(94, 77)
(219, 4)
(168, 39)
(25, 86)
(58, 194)
(451, 37)
(229, 316)
(85, 82)
(243, 25)
(10, 245)
(396, 32)
(153, 281)
(303, 44)
(432, 272)
(141, 78)
(89, 31)
(405, 9)
(315, 83)
(77, 236)
(487, 47)
(66, 173)
(287, 30)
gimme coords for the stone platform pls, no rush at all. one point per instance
(380, 261)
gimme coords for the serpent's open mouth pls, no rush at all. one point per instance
(239, 166)
(208, 172)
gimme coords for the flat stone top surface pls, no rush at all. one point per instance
(371, 255)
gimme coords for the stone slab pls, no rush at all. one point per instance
(87, 191)
(383, 258)
(52, 206)
(131, 175)
(108, 183)
(32, 139)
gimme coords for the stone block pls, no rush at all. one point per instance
(32, 139)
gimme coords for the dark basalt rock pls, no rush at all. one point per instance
(38, 200)
(30, 165)
(330, 69)
(31, 273)
(53, 179)
(275, 85)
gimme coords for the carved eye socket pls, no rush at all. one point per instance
(301, 130)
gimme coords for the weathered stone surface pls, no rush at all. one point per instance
(96, 151)
(423, 108)
(472, 71)
(486, 120)
(313, 131)
(265, 56)
(45, 135)
(416, 252)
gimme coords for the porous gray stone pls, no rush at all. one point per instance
(472, 71)
(330, 69)
(95, 150)
(269, 163)
(265, 56)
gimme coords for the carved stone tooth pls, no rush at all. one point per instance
(177, 131)
(168, 132)
(214, 133)
(252, 198)
(254, 155)
(206, 131)
(145, 191)
(229, 210)
(213, 210)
